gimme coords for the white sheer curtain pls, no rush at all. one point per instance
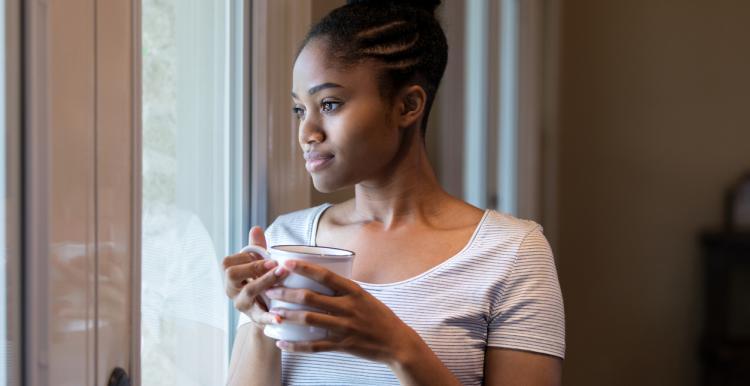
(186, 191)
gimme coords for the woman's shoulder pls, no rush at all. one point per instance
(510, 223)
(507, 232)
(294, 227)
(302, 215)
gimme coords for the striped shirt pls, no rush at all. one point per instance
(500, 290)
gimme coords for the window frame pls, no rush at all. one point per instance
(76, 87)
(137, 188)
(240, 150)
(12, 67)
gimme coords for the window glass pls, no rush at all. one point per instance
(186, 104)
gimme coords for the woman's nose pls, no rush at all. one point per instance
(310, 132)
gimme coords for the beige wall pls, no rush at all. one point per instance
(654, 125)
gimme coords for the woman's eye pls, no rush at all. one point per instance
(329, 106)
(298, 112)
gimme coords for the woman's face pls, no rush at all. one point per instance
(348, 132)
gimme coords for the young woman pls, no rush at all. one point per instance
(442, 293)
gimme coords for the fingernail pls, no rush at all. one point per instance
(272, 293)
(277, 311)
(279, 271)
(276, 319)
(270, 264)
(289, 264)
(282, 344)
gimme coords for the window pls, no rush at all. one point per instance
(495, 68)
(491, 104)
(193, 186)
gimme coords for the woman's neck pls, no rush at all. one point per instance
(407, 192)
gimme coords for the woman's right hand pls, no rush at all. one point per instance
(247, 276)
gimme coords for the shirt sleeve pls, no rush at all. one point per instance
(529, 315)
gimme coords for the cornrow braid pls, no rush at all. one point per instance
(402, 37)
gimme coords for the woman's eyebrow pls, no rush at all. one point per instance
(313, 90)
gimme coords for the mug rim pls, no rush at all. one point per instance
(347, 253)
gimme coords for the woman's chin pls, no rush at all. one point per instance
(324, 185)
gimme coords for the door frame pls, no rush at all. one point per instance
(81, 208)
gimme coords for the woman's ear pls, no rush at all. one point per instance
(412, 102)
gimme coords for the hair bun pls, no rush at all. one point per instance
(427, 5)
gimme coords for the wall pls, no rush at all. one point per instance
(654, 125)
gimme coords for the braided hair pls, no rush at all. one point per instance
(403, 38)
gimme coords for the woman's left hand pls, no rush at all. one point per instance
(356, 321)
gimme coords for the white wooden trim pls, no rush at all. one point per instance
(239, 163)
(476, 104)
(259, 120)
(493, 109)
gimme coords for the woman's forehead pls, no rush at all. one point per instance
(314, 66)
(313, 63)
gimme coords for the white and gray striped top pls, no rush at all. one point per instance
(501, 290)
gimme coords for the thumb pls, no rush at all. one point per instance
(256, 237)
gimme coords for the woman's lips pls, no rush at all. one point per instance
(317, 161)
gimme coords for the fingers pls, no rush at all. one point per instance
(338, 284)
(238, 276)
(309, 347)
(332, 323)
(266, 318)
(256, 236)
(335, 305)
(239, 258)
(251, 270)
(268, 280)
(246, 296)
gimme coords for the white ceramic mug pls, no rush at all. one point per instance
(338, 261)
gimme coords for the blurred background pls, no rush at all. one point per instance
(142, 138)
(653, 131)
(639, 114)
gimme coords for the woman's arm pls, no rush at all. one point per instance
(503, 367)
(255, 359)
(528, 319)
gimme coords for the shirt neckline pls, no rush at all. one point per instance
(324, 207)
